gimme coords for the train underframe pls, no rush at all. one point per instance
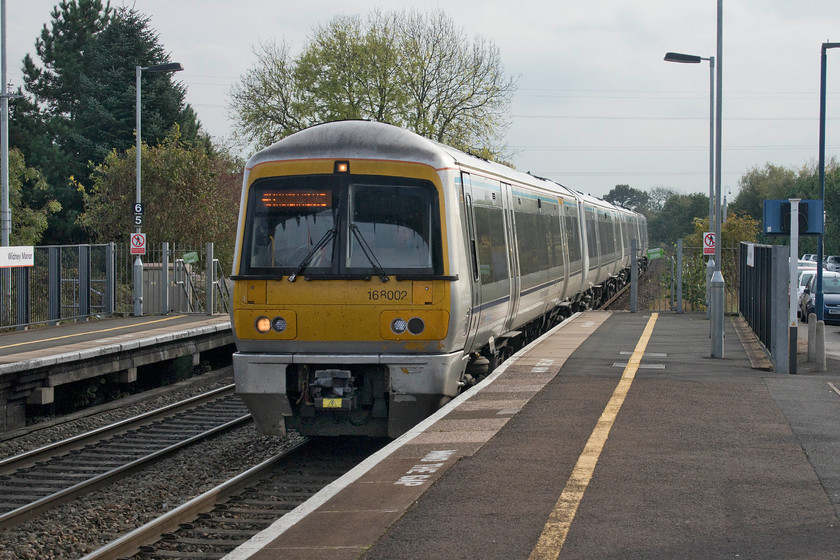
(380, 395)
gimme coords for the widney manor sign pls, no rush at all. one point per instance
(17, 256)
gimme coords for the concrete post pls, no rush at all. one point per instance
(812, 337)
(634, 278)
(820, 346)
(679, 275)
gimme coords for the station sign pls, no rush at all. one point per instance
(655, 253)
(17, 256)
(777, 217)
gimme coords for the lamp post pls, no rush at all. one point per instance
(818, 297)
(138, 262)
(717, 284)
(694, 59)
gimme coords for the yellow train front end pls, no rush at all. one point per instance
(342, 293)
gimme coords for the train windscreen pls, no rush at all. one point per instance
(342, 225)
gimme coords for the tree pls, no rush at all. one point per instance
(410, 69)
(80, 99)
(628, 197)
(28, 201)
(190, 195)
(676, 219)
(760, 184)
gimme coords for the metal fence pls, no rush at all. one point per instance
(77, 282)
(678, 282)
(176, 279)
(66, 282)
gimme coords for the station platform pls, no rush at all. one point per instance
(615, 435)
(34, 362)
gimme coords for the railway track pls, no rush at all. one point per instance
(213, 524)
(33, 482)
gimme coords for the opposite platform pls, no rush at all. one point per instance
(687, 457)
(34, 362)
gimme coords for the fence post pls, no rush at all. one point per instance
(209, 274)
(22, 296)
(110, 292)
(164, 277)
(54, 284)
(778, 324)
(84, 281)
(634, 277)
(679, 275)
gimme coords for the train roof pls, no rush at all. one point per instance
(356, 139)
(367, 139)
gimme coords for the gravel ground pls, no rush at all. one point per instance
(56, 429)
(79, 527)
(650, 291)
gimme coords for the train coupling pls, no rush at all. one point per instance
(333, 389)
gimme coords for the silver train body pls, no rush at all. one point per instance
(377, 273)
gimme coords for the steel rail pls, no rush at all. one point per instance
(17, 516)
(22, 460)
(130, 543)
(617, 295)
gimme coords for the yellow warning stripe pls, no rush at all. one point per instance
(557, 527)
(90, 332)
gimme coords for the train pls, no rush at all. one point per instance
(378, 273)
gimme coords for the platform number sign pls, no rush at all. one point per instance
(138, 214)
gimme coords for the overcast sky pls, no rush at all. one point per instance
(596, 105)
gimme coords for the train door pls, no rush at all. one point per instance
(474, 311)
(513, 256)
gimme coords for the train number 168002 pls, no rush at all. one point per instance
(387, 295)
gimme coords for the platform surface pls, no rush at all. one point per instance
(74, 341)
(614, 436)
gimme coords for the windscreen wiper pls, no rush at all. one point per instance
(317, 247)
(369, 253)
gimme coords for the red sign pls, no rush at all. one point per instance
(709, 243)
(138, 243)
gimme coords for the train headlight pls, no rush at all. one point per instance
(399, 326)
(278, 324)
(262, 324)
(416, 325)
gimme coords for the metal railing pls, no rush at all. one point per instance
(176, 279)
(684, 276)
(66, 282)
(77, 282)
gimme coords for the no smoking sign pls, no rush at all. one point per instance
(138, 244)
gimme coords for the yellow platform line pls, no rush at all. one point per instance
(556, 529)
(90, 332)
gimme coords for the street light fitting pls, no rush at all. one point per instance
(684, 58)
(169, 67)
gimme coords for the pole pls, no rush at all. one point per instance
(138, 262)
(819, 300)
(5, 212)
(793, 266)
(718, 285)
(634, 277)
(711, 142)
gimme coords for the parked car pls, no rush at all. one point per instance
(809, 257)
(832, 263)
(805, 275)
(831, 297)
